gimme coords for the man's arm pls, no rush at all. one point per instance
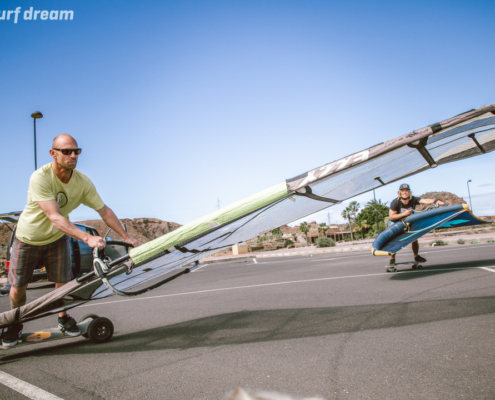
(52, 211)
(113, 222)
(394, 215)
(431, 201)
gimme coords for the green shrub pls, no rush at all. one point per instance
(325, 242)
(288, 242)
(439, 242)
(474, 242)
(461, 241)
(490, 241)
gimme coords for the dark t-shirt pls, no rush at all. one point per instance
(398, 206)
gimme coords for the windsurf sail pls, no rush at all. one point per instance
(466, 135)
(407, 230)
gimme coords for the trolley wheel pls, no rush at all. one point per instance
(415, 266)
(420, 266)
(100, 330)
(92, 316)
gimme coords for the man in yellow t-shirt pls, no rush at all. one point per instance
(54, 191)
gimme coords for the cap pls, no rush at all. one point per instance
(404, 186)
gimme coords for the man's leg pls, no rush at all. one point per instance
(24, 258)
(23, 261)
(62, 313)
(58, 268)
(17, 296)
(415, 248)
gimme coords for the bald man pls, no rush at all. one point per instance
(55, 190)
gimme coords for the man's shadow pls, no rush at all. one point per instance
(245, 327)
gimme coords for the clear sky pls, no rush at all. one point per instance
(177, 104)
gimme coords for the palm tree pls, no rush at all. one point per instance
(323, 228)
(354, 206)
(304, 228)
(346, 214)
(362, 225)
(374, 202)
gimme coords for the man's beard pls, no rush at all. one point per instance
(68, 167)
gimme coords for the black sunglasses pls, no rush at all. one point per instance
(68, 152)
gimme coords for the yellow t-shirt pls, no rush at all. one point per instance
(34, 227)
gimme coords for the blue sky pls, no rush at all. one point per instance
(179, 104)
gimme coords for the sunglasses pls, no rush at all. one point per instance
(68, 152)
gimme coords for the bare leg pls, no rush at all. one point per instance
(415, 248)
(17, 296)
(61, 313)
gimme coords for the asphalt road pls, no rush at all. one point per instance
(336, 326)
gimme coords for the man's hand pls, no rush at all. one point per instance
(132, 241)
(113, 222)
(407, 213)
(96, 241)
(440, 203)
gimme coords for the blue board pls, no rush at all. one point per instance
(407, 230)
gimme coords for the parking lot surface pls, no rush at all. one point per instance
(336, 326)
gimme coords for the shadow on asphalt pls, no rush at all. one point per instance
(436, 269)
(272, 325)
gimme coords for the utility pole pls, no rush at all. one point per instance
(328, 216)
(470, 205)
(218, 203)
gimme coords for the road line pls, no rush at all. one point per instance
(197, 269)
(256, 262)
(26, 389)
(488, 269)
(276, 284)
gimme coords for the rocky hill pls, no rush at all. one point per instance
(448, 198)
(142, 229)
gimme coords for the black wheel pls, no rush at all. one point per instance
(420, 266)
(100, 330)
(415, 266)
(92, 316)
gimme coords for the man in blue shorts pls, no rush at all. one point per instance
(403, 206)
(55, 190)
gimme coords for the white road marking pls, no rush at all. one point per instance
(26, 389)
(197, 269)
(276, 284)
(488, 269)
(256, 262)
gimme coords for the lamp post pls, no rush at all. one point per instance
(376, 211)
(470, 205)
(35, 115)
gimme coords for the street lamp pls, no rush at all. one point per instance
(35, 115)
(470, 205)
(376, 211)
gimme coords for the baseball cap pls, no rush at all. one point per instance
(404, 186)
